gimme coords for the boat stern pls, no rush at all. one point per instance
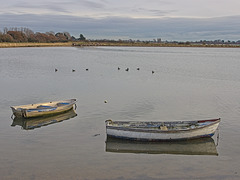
(17, 112)
(108, 122)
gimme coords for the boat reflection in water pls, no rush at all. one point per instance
(202, 146)
(33, 123)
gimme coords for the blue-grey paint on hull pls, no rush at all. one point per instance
(143, 139)
(42, 110)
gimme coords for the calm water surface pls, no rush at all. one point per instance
(188, 83)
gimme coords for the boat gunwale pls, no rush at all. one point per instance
(149, 130)
(72, 101)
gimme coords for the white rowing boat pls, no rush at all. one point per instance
(161, 131)
(43, 109)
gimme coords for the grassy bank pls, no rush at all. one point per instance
(11, 45)
(117, 43)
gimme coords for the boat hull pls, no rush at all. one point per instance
(150, 134)
(43, 109)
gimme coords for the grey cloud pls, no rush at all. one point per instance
(57, 7)
(153, 12)
(91, 4)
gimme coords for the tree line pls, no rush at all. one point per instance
(27, 35)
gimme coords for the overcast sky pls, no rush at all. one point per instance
(180, 20)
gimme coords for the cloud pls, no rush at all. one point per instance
(41, 7)
(180, 29)
(91, 4)
(154, 13)
(89, 8)
(124, 8)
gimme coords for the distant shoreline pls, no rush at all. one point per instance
(127, 44)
